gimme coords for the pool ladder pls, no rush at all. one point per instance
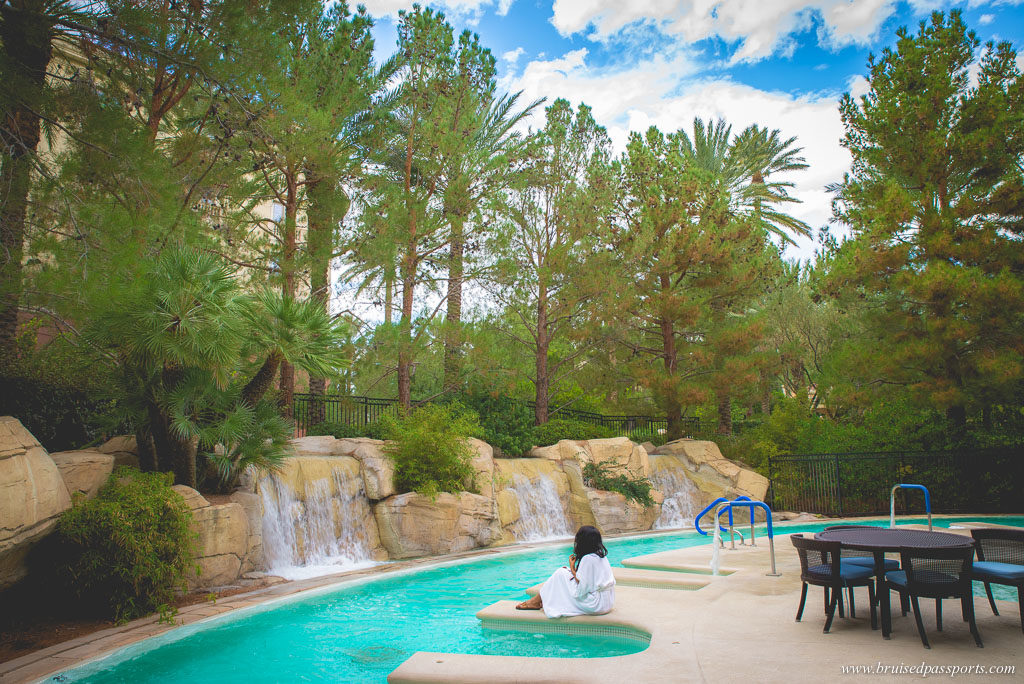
(721, 505)
(892, 503)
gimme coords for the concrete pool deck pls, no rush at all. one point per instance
(727, 628)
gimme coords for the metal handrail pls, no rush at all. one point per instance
(892, 503)
(696, 520)
(746, 501)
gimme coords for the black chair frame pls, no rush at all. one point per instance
(938, 574)
(833, 583)
(1002, 546)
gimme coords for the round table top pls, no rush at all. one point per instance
(886, 539)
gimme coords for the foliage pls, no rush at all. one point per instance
(344, 430)
(569, 428)
(430, 450)
(507, 424)
(128, 551)
(61, 417)
(933, 199)
(599, 476)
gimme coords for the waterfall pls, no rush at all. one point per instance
(541, 515)
(319, 535)
(682, 498)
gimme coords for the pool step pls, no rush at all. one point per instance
(649, 579)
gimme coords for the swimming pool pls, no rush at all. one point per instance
(362, 631)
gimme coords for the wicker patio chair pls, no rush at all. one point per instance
(1000, 561)
(937, 574)
(821, 564)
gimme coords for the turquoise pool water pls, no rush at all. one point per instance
(361, 632)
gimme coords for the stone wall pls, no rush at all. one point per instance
(346, 487)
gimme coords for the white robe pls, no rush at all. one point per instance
(593, 594)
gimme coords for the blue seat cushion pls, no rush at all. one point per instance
(890, 564)
(847, 572)
(898, 578)
(992, 571)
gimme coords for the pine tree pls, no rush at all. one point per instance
(934, 202)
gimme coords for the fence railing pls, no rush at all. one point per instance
(310, 410)
(858, 483)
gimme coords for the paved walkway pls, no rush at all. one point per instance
(735, 627)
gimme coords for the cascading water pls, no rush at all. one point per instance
(682, 498)
(323, 534)
(541, 515)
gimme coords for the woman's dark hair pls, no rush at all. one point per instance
(588, 540)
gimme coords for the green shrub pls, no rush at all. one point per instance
(637, 489)
(346, 431)
(569, 428)
(126, 552)
(507, 424)
(430, 450)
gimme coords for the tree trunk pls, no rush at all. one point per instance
(724, 412)
(25, 34)
(673, 409)
(543, 380)
(453, 319)
(260, 383)
(291, 208)
(146, 450)
(322, 219)
(405, 337)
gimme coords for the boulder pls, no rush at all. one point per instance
(565, 450)
(85, 471)
(618, 454)
(713, 474)
(124, 449)
(320, 445)
(413, 525)
(614, 514)
(378, 470)
(483, 467)
(580, 511)
(648, 447)
(193, 499)
(32, 496)
(250, 504)
(223, 543)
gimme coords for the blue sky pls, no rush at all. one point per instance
(779, 63)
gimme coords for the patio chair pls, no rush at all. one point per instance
(865, 558)
(1000, 561)
(937, 574)
(821, 564)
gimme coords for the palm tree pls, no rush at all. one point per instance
(741, 174)
(180, 337)
(480, 170)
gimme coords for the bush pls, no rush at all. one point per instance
(507, 424)
(346, 431)
(430, 450)
(568, 428)
(637, 489)
(126, 552)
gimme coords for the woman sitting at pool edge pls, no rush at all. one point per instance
(585, 587)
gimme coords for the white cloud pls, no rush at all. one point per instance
(857, 86)
(762, 28)
(512, 56)
(649, 93)
(465, 9)
(986, 19)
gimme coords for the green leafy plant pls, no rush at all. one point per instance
(430, 450)
(128, 551)
(507, 424)
(567, 428)
(599, 476)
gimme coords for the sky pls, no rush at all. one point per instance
(782, 64)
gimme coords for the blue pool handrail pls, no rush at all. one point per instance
(721, 499)
(749, 503)
(892, 503)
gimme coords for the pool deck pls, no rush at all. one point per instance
(736, 627)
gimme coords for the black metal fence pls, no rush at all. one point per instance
(859, 483)
(310, 410)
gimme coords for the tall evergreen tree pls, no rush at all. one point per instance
(934, 200)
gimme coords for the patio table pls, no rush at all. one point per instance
(880, 540)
